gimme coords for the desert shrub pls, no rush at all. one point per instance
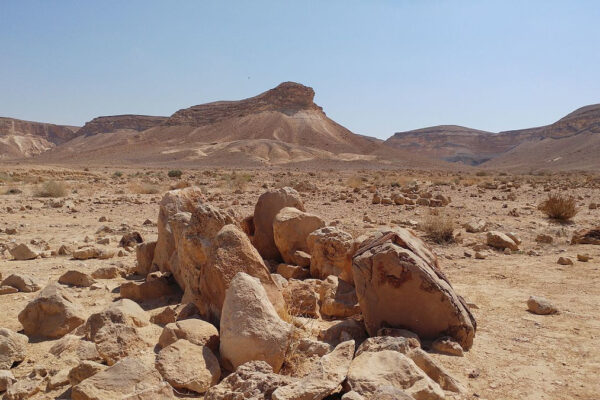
(174, 173)
(236, 181)
(481, 173)
(439, 227)
(355, 182)
(559, 207)
(179, 185)
(50, 189)
(145, 188)
(118, 174)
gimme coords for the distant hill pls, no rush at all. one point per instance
(20, 139)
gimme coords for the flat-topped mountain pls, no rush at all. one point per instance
(116, 122)
(20, 138)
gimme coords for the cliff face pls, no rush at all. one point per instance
(287, 98)
(117, 122)
(56, 134)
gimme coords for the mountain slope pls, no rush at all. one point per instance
(21, 139)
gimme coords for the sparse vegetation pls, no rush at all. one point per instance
(50, 189)
(559, 207)
(236, 181)
(145, 188)
(439, 227)
(118, 174)
(175, 173)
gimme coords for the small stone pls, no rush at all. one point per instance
(565, 261)
(583, 257)
(541, 306)
(448, 346)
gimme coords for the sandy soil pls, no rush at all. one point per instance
(516, 354)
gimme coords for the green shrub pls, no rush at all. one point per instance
(175, 173)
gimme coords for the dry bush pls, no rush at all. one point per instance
(559, 207)
(50, 189)
(355, 182)
(236, 181)
(439, 227)
(180, 185)
(144, 188)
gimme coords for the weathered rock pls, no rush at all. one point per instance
(399, 284)
(435, 371)
(124, 311)
(331, 251)
(583, 257)
(250, 327)
(372, 370)
(73, 347)
(231, 252)
(195, 331)
(59, 379)
(338, 298)
(544, 238)
(341, 331)
(131, 239)
(402, 333)
(23, 252)
(541, 306)
(173, 202)
(130, 378)
(110, 272)
(6, 380)
(268, 206)
(291, 228)
(8, 290)
(380, 343)
(86, 253)
(13, 348)
(149, 290)
(564, 261)
(586, 236)
(475, 225)
(188, 366)
(23, 283)
(175, 313)
(24, 388)
(84, 370)
(76, 278)
(144, 253)
(293, 271)
(501, 241)
(253, 380)
(52, 314)
(117, 341)
(302, 298)
(447, 345)
(324, 380)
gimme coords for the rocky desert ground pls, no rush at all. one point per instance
(95, 308)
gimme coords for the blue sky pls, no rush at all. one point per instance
(377, 66)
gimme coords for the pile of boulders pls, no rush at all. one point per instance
(277, 305)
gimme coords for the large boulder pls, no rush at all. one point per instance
(253, 380)
(52, 314)
(188, 366)
(144, 254)
(117, 341)
(130, 378)
(13, 347)
(338, 298)
(23, 252)
(76, 278)
(250, 327)
(331, 251)
(399, 284)
(173, 202)
(370, 371)
(267, 207)
(328, 373)
(230, 253)
(291, 228)
(124, 311)
(302, 298)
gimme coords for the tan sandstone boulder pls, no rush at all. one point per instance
(188, 366)
(195, 331)
(21, 282)
(250, 327)
(331, 251)
(586, 236)
(53, 314)
(501, 241)
(338, 298)
(267, 207)
(230, 253)
(130, 378)
(124, 312)
(291, 228)
(399, 284)
(144, 254)
(13, 348)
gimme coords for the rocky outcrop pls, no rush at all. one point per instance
(13, 348)
(114, 123)
(399, 284)
(331, 251)
(291, 228)
(287, 98)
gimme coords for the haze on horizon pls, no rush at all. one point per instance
(376, 67)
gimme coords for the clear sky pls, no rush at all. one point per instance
(377, 66)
